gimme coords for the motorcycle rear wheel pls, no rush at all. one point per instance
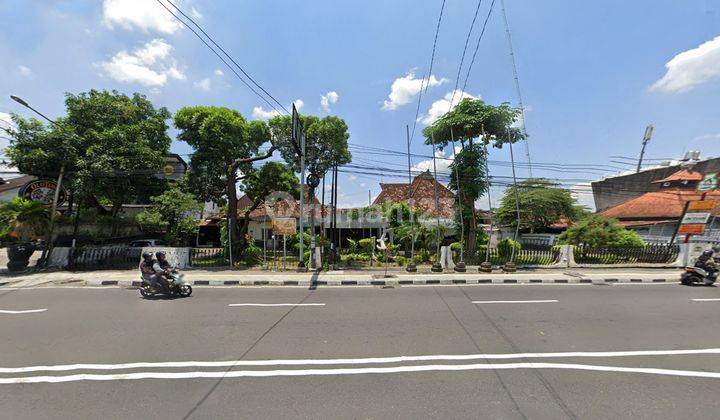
(145, 292)
(689, 279)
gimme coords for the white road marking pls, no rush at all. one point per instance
(276, 304)
(706, 300)
(359, 361)
(515, 301)
(29, 311)
(351, 371)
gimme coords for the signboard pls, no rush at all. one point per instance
(284, 226)
(695, 218)
(692, 229)
(168, 170)
(704, 205)
(43, 190)
(708, 183)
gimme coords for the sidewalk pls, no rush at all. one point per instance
(127, 278)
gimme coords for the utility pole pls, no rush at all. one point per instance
(646, 138)
(510, 266)
(47, 252)
(411, 267)
(300, 135)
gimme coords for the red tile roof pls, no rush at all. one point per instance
(422, 193)
(681, 175)
(666, 203)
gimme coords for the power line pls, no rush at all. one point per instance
(429, 74)
(517, 85)
(223, 60)
(477, 45)
(462, 57)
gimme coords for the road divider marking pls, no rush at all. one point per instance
(515, 301)
(706, 300)
(28, 311)
(276, 304)
(360, 361)
(352, 371)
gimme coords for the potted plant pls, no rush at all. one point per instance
(22, 222)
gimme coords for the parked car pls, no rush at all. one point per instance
(142, 243)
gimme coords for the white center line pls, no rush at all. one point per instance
(276, 304)
(29, 311)
(706, 300)
(350, 371)
(515, 301)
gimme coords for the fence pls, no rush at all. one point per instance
(208, 257)
(116, 257)
(658, 254)
(529, 254)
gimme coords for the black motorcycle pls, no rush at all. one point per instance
(177, 287)
(697, 275)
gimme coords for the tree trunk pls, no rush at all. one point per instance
(472, 228)
(232, 210)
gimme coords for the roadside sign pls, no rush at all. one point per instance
(283, 226)
(695, 218)
(708, 183)
(703, 205)
(168, 170)
(43, 191)
(692, 229)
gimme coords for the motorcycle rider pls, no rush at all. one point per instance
(707, 262)
(163, 268)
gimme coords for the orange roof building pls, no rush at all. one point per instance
(421, 193)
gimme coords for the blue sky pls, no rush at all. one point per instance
(593, 74)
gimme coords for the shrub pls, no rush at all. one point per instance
(367, 245)
(252, 255)
(505, 248)
(353, 247)
(400, 260)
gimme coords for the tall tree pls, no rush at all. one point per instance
(112, 145)
(542, 203)
(473, 119)
(260, 183)
(226, 145)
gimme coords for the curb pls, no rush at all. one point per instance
(393, 282)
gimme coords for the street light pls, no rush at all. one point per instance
(47, 252)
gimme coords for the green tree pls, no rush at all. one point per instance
(260, 183)
(599, 231)
(542, 203)
(225, 146)
(473, 119)
(175, 213)
(326, 142)
(112, 145)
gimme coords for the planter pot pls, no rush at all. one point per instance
(19, 256)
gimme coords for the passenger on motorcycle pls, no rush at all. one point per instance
(163, 268)
(706, 261)
(147, 269)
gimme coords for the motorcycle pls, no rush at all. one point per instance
(177, 287)
(697, 275)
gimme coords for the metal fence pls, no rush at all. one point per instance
(529, 254)
(658, 254)
(105, 258)
(208, 257)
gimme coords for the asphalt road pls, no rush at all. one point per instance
(113, 327)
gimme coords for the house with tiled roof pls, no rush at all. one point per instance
(656, 214)
(421, 194)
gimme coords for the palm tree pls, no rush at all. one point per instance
(23, 220)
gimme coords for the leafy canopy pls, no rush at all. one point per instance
(599, 231)
(219, 136)
(326, 142)
(174, 213)
(23, 220)
(542, 203)
(271, 177)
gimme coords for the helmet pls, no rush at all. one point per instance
(147, 256)
(160, 254)
(708, 253)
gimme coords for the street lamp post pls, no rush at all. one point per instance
(47, 252)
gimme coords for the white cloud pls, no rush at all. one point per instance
(203, 84)
(353, 177)
(404, 89)
(195, 13)
(219, 72)
(691, 68)
(442, 162)
(706, 137)
(150, 65)
(260, 113)
(25, 71)
(328, 99)
(441, 106)
(146, 15)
